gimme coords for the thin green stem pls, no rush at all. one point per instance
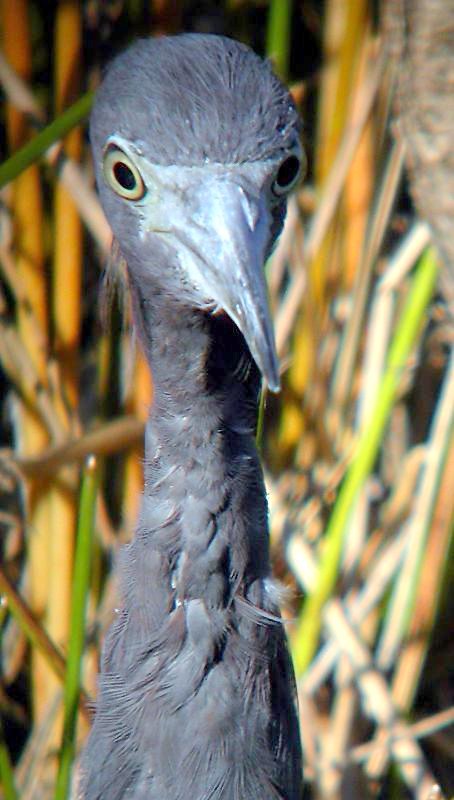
(81, 581)
(278, 35)
(52, 133)
(363, 460)
(6, 771)
(260, 419)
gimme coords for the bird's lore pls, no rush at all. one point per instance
(195, 145)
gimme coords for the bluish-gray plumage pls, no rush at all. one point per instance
(195, 146)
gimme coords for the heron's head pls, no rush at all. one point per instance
(196, 147)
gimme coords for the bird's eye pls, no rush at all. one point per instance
(287, 175)
(122, 175)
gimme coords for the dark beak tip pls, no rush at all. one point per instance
(268, 364)
(272, 378)
(274, 385)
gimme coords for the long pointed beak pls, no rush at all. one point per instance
(224, 238)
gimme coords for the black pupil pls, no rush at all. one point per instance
(288, 171)
(124, 176)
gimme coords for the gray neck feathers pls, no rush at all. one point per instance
(204, 507)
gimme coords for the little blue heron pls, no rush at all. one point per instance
(196, 147)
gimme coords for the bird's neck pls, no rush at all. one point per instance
(200, 363)
(201, 462)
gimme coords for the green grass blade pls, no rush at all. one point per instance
(260, 419)
(404, 339)
(81, 579)
(6, 771)
(52, 133)
(278, 35)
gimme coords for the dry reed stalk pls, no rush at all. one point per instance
(419, 730)
(411, 660)
(112, 437)
(394, 736)
(334, 743)
(310, 728)
(66, 293)
(26, 208)
(340, 390)
(68, 234)
(344, 34)
(361, 175)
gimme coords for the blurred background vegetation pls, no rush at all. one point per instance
(358, 448)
